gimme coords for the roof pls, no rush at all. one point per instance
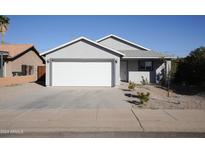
(144, 54)
(78, 39)
(123, 40)
(4, 53)
(15, 49)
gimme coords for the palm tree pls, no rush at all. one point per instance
(4, 22)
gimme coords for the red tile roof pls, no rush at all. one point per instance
(15, 49)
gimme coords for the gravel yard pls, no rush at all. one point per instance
(159, 99)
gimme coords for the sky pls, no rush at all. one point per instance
(176, 35)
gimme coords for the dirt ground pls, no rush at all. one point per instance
(159, 100)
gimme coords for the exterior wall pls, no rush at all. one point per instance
(117, 44)
(136, 76)
(83, 50)
(29, 58)
(8, 69)
(133, 73)
(8, 81)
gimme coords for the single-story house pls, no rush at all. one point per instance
(105, 62)
(19, 60)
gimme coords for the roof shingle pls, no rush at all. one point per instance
(15, 49)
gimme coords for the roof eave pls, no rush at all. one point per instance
(10, 58)
(4, 53)
(149, 57)
(112, 35)
(78, 39)
(22, 52)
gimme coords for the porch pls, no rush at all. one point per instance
(144, 70)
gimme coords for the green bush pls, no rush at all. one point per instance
(191, 69)
(143, 97)
(132, 85)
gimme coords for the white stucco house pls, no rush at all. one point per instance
(105, 62)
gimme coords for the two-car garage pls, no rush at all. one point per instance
(82, 62)
(81, 73)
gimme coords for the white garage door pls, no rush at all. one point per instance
(81, 74)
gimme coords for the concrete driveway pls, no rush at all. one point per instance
(33, 109)
(34, 96)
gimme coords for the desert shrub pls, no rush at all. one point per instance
(144, 81)
(132, 85)
(143, 97)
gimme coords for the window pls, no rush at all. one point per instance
(24, 70)
(30, 70)
(145, 65)
(27, 69)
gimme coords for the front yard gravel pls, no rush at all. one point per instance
(159, 99)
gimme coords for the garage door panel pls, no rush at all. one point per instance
(81, 74)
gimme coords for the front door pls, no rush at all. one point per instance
(123, 70)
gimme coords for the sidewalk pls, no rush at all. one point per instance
(171, 120)
(103, 120)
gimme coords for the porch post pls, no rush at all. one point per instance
(1, 65)
(168, 75)
(168, 66)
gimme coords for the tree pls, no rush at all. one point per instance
(166, 76)
(191, 69)
(4, 22)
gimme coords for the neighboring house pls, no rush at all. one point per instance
(19, 60)
(106, 62)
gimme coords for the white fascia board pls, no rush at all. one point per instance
(60, 46)
(148, 57)
(78, 39)
(111, 35)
